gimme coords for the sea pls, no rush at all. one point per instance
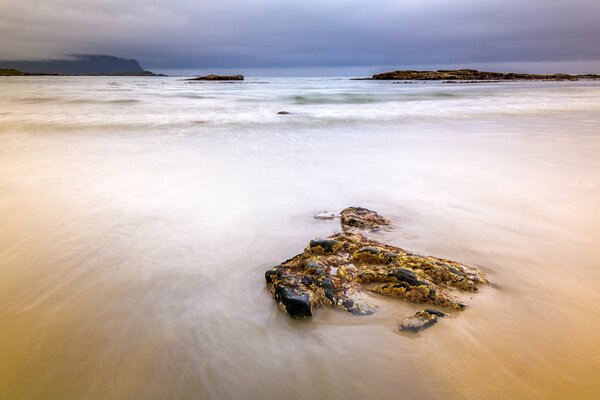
(139, 214)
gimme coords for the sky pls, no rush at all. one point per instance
(310, 35)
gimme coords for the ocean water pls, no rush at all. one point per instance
(138, 216)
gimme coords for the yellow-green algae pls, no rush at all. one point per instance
(333, 271)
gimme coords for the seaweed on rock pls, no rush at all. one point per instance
(334, 271)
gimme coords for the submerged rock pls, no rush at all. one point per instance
(283, 113)
(325, 215)
(421, 320)
(335, 271)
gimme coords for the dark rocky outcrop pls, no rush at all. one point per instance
(219, 78)
(334, 271)
(474, 75)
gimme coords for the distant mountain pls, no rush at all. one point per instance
(78, 65)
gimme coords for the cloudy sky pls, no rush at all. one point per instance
(309, 34)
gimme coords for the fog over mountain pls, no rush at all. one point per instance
(76, 64)
(234, 34)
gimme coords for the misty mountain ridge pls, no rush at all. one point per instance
(78, 64)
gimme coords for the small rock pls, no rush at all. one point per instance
(357, 306)
(326, 244)
(421, 320)
(436, 313)
(404, 275)
(328, 288)
(371, 250)
(362, 218)
(271, 275)
(325, 215)
(283, 113)
(295, 301)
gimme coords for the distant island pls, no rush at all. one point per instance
(218, 78)
(75, 65)
(474, 75)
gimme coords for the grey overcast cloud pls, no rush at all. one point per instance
(230, 34)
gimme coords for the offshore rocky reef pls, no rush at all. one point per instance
(334, 271)
(218, 78)
(475, 75)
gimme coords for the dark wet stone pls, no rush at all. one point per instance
(452, 269)
(295, 301)
(371, 250)
(353, 222)
(326, 244)
(328, 288)
(436, 312)
(287, 279)
(314, 268)
(283, 113)
(271, 275)
(418, 322)
(326, 283)
(307, 280)
(348, 304)
(404, 275)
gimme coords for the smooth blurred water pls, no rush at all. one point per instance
(139, 215)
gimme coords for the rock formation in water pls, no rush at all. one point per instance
(79, 65)
(334, 271)
(421, 320)
(219, 78)
(474, 75)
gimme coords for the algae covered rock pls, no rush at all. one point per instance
(336, 271)
(421, 320)
(358, 217)
(294, 300)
